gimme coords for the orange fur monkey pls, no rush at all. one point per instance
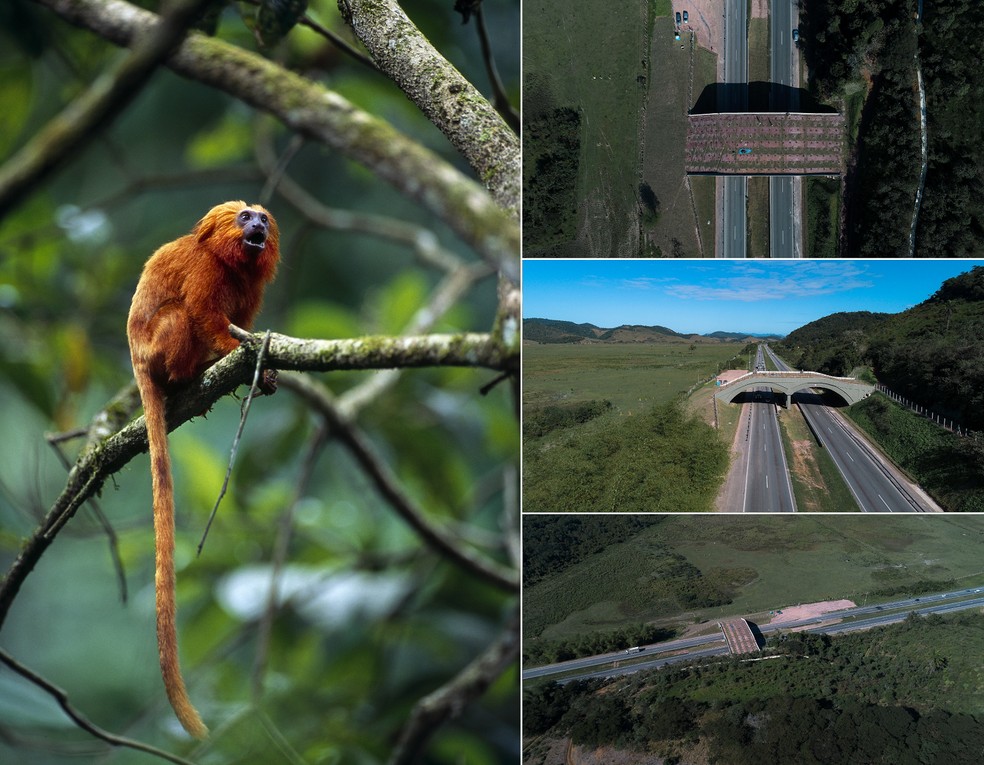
(190, 291)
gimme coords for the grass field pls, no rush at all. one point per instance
(633, 377)
(582, 55)
(767, 561)
(681, 71)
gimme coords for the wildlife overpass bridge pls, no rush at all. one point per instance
(739, 635)
(850, 389)
(765, 143)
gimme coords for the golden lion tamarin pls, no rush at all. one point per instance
(190, 291)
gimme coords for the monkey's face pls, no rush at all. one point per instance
(255, 227)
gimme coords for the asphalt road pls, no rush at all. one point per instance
(733, 216)
(784, 237)
(767, 485)
(713, 645)
(875, 488)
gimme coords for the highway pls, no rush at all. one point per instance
(784, 235)
(875, 485)
(732, 217)
(767, 485)
(875, 615)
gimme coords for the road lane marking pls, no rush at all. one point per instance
(885, 503)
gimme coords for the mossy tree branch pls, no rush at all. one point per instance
(105, 456)
(322, 115)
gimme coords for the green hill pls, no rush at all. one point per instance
(931, 353)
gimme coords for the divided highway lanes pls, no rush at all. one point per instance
(767, 484)
(874, 487)
(783, 234)
(735, 99)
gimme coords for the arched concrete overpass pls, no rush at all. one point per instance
(850, 389)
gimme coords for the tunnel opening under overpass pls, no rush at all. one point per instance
(784, 385)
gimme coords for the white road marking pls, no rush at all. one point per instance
(885, 503)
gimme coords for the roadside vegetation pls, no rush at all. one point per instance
(822, 216)
(910, 693)
(948, 466)
(606, 427)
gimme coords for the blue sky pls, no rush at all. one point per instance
(701, 296)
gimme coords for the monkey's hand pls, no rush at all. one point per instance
(268, 382)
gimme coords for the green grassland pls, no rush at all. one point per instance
(633, 377)
(585, 56)
(758, 563)
(644, 453)
(680, 72)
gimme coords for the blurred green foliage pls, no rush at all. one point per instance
(382, 621)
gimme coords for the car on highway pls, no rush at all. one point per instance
(796, 35)
(744, 150)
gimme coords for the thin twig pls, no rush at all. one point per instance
(342, 44)
(83, 119)
(280, 549)
(423, 241)
(107, 527)
(447, 702)
(439, 540)
(80, 720)
(499, 98)
(253, 388)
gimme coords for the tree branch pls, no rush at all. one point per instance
(436, 538)
(82, 119)
(106, 455)
(81, 720)
(320, 114)
(448, 701)
(450, 101)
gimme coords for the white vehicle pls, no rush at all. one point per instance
(636, 649)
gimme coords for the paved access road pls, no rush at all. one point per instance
(784, 235)
(732, 219)
(877, 486)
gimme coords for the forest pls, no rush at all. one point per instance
(355, 598)
(661, 460)
(930, 353)
(885, 696)
(871, 44)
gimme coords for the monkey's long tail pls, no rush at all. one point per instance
(167, 636)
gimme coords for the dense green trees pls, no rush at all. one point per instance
(871, 44)
(951, 223)
(662, 460)
(550, 172)
(886, 696)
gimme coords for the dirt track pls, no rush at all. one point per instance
(808, 610)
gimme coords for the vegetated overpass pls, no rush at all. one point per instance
(850, 389)
(765, 143)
